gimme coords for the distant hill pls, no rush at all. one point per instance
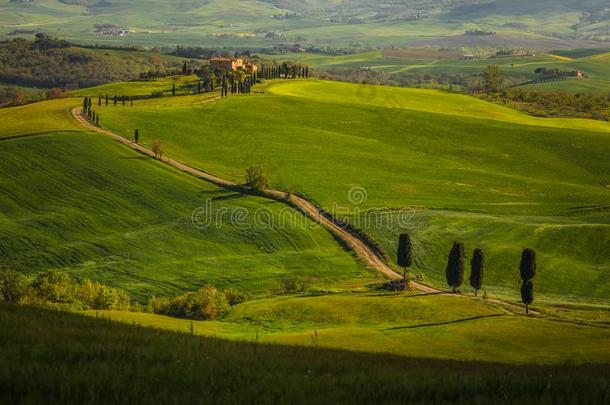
(334, 23)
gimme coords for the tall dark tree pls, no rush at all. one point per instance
(527, 295)
(527, 269)
(116, 99)
(477, 270)
(131, 100)
(136, 135)
(85, 104)
(173, 89)
(455, 266)
(106, 100)
(97, 119)
(99, 101)
(405, 254)
(184, 68)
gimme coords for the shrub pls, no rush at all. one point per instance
(13, 286)
(206, 303)
(157, 149)
(235, 297)
(256, 178)
(53, 287)
(288, 285)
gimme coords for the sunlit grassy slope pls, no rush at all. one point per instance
(84, 204)
(441, 327)
(499, 172)
(78, 359)
(49, 116)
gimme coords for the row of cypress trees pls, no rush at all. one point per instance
(454, 272)
(230, 85)
(285, 71)
(93, 116)
(88, 102)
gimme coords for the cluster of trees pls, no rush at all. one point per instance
(89, 112)
(454, 272)
(197, 52)
(203, 304)
(559, 103)
(47, 63)
(55, 288)
(285, 70)
(237, 82)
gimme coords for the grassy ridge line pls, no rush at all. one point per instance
(433, 101)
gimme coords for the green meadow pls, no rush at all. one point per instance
(83, 204)
(455, 167)
(431, 326)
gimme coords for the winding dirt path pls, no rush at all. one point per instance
(354, 243)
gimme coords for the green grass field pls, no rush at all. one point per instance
(50, 356)
(428, 326)
(81, 203)
(459, 167)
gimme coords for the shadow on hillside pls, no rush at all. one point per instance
(424, 325)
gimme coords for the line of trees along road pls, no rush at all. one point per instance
(454, 272)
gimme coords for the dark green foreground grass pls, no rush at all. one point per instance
(55, 357)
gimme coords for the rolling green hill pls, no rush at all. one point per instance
(456, 167)
(82, 203)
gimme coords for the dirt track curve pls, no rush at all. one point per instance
(357, 245)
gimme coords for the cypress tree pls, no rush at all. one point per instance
(97, 119)
(173, 89)
(131, 100)
(527, 269)
(99, 101)
(106, 100)
(527, 295)
(477, 269)
(123, 100)
(455, 266)
(85, 104)
(136, 135)
(404, 254)
(116, 99)
(184, 68)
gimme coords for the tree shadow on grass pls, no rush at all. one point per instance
(424, 325)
